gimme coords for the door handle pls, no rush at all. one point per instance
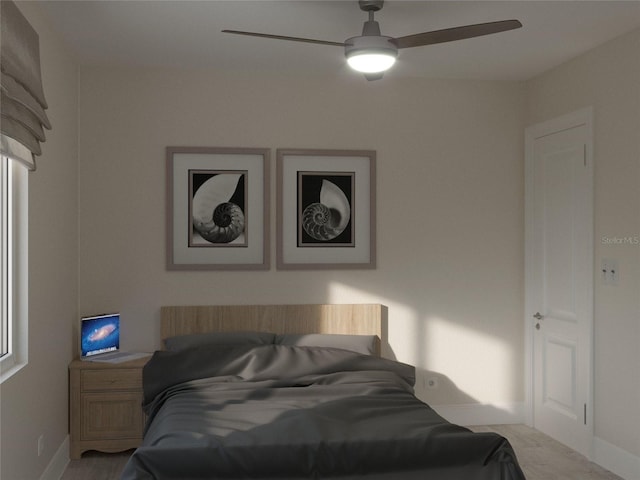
(538, 317)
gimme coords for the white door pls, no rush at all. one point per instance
(559, 278)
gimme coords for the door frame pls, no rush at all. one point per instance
(582, 117)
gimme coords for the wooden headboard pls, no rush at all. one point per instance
(352, 319)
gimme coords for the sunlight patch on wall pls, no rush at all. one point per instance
(476, 364)
(404, 327)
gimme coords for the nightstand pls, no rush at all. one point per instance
(105, 406)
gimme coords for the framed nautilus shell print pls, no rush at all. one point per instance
(217, 208)
(326, 209)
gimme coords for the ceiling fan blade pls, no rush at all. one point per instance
(456, 33)
(282, 37)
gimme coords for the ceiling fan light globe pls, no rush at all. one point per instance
(370, 53)
(371, 62)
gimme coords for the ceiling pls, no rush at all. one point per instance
(187, 34)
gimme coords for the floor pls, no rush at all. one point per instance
(540, 457)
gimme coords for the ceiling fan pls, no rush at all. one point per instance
(372, 53)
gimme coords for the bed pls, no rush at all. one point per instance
(296, 392)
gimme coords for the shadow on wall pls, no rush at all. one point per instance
(431, 386)
(436, 389)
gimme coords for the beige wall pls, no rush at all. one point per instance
(450, 207)
(34, 401)
(608, 78)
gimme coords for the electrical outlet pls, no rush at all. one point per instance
(432, 383)
(40, 444)
(609, 271)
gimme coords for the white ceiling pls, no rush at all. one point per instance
(186, 34)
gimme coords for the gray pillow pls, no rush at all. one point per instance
(365, 344)
(182, 342)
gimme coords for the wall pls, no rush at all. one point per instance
(608, 78)
(450, 207)
(35, 401)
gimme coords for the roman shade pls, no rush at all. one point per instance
(22, 102)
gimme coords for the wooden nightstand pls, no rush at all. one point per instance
(105, 406)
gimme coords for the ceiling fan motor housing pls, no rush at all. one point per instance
(371, 5)
(369, 43)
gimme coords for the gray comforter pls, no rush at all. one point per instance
(276, 411)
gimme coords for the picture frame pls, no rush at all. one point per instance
(217, 208)
(326, 209)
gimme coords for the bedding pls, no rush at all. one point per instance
(356, 343)
(299, 412)
(182, 342)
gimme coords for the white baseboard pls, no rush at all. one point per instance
(58, 463)
(482, 413)
(616, 460)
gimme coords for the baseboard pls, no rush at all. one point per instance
(616, 460)
(58, 463)
(482, 413)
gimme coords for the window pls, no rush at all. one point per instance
(24, 108)
(13, 267)
(4, 254)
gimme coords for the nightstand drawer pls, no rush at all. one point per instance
(113, 379)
